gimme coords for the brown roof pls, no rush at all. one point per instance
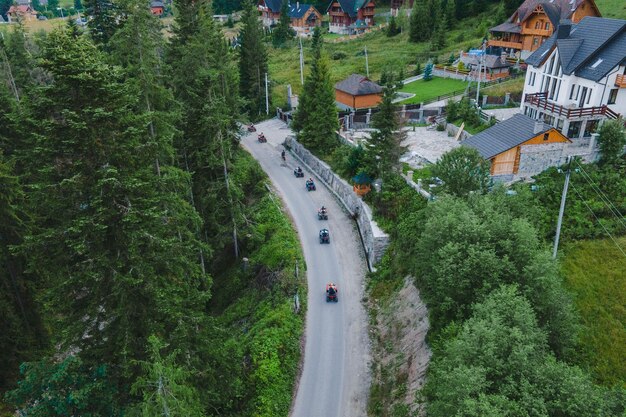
(358, 85)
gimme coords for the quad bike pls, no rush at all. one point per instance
(298, 172)
(251, 128)
(332, 292)
(322, 214)
(310, 185)
(262, 138)
(324, 236)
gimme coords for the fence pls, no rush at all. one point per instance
(375, 241)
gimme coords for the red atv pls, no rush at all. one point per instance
(251, 128)
(331, 292)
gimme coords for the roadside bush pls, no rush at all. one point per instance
(338, 55)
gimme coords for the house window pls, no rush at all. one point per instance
(547, 25)
(535, 41)
(613, 96)
(589, 96)
(590, 127)
(559, 124)
(546, 136)
(574, 130)
(571, 92)
(538, 25)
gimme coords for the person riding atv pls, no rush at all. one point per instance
(324, 236)
(262, 138)
(322, 213)
(298, 172)
(310, 185)
(331, 292)
(251, 128)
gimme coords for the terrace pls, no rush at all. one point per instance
(540, 101)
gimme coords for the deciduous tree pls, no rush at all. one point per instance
(612, 140)
(463, 171)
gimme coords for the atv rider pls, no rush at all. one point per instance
(332, 289)
(299, 170)
(323, 210)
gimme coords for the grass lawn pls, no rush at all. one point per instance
(612, 8)
(514, 86)
(426, 90)
(595, 272)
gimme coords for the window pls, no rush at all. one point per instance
(559, 124)
(571, 92)
(535, 41)
(547, 25)
(589, 96)
(598, 62)
(574, 130)
(538, 25)
(613, 96)
(546, 136)
(590, 127)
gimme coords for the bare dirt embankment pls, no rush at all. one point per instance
(399, 324)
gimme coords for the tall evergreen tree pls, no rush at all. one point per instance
(438, 40)
(252, 62)
(421, 23)
(450, 12)
(105, 19)
(316, 119)
(384, 145)
(283, 31)
(114, 242)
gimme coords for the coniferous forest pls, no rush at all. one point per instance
(126, 211)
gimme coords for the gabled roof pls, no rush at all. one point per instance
(297, 10)
(594, 47)
(505, 135)
(556, 10)
(349, 6)
(274, 5)
(157, 3)
(358, 85)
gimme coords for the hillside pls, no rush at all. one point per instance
(594, 272)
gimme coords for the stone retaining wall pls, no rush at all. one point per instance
(375, 241)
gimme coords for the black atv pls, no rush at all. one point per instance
(324, 236)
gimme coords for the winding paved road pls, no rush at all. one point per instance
(335, 375)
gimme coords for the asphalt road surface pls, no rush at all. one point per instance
(335, 375)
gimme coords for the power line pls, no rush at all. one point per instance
(598, 220)
(612, 208)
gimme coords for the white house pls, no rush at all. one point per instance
(577, 78)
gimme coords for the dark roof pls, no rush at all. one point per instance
(349, 6)
(491, 61)
(505, 135)
(297, 10)
(156, 3)
(594, 47)
(274, 5)
(358, 85)
(508, 27)
(556, 10)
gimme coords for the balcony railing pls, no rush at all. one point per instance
(505, 44)
(537, 32)
(620, 81)
(540, 100)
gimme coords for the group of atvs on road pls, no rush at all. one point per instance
(324, 235)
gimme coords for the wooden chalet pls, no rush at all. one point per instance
(304, 17)
(21, 11)
(157, 7)
(358, 92)
(504, 143)
(535, 21)
(350, 16)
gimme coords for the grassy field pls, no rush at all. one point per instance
(426, 90)
(514, 86)
(595, 272)
(612, 8)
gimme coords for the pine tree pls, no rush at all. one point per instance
(393, 29)
(438, 40)
(114, 242)
(283, 31)
(16, 60)
(252, 62)
(384, 145)
(418, 69)
(421, 23)
(316, 119)
(428, 71)
(450, 12)
(316, 40)
(105, 18)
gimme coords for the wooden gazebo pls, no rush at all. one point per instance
(362, 184)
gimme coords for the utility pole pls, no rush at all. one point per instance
(367, 66)
(267, 97)
(301, 64)
(562, 209)
(480, 70)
